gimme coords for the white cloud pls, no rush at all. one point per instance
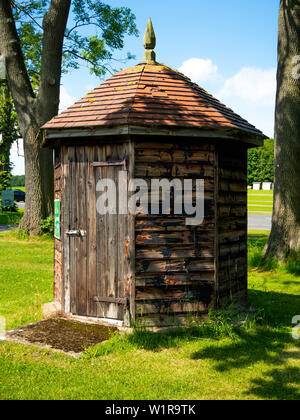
(250, 92)
(66, 99)
(251, 84)
(199, 70)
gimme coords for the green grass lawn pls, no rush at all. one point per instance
(260, 202)
(17, 188)
(25, 277)
(11, 218)
(258, 359)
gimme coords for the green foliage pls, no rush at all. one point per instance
(9, 130)
(17, 181)
(261, 163)
(5, 178)
(293, 262)
(11, 217)
(21, 234)
(31, 44)
(256, 244)
(256, 260)
(47, 226)
(107, 24)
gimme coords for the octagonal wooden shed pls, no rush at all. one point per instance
(151, 122)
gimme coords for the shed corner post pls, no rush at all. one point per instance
(216, 216)
(130, 317)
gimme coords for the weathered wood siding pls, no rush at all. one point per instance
(232, 224)
(165, 269)
(58, 256)
(96, 265)
(175, 270)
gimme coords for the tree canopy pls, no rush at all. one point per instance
(39, 40)
(106, 27)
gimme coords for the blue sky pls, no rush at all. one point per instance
(229, 47)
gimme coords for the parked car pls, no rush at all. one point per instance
(19, 195)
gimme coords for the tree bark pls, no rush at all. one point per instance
(34, 111)
(285, 233)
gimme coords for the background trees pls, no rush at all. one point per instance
(9, 133)
(261, 163)
(37, 46)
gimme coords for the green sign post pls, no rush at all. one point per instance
(7, 199)
(57, 219)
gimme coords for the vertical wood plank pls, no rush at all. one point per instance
(66, 184)
(81, 296)
(112, 284)
(122, 246)
(72, 198)
(101, 236)
(131, 235)
(92, 235)
(216, 227)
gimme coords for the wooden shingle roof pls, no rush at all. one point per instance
(151, 96)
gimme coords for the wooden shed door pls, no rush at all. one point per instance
(97, 244)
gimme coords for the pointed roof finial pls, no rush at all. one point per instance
(149, 44)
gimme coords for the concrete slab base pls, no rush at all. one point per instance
(51, 309)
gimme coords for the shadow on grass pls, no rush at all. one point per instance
(275, 310)
(147, 340)
(263, 345)
(278, 384)
(278, 308)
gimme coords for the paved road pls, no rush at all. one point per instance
(21, 204)
(259, 222)
(255, 221)
(6, 228)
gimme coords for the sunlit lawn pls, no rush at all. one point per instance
(11, 218)
(260, 202)
(254, 361)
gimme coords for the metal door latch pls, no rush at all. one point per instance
(78, 233)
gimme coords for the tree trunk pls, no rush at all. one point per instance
(32, 111)
(34, 211)
(285, 234)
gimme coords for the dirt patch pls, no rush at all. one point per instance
(61, 334)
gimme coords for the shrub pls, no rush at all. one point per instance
(293, 262)
(47, 226)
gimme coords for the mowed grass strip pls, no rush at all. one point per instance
(260, 202)
(26, 274)
(11, 218)
(257, 360)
